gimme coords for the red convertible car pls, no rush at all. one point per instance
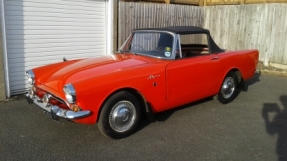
(156, 69)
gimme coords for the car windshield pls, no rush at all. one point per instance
(155, 44)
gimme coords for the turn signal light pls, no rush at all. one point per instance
(75, 108)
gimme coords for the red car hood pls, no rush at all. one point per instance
(69, 72)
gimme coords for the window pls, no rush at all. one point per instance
(194, 45)
(155, 44)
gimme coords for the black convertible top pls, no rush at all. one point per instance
(179, 29)
(188, 30)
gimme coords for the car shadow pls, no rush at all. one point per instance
(253, 80)
(163, 116)
(277, 125)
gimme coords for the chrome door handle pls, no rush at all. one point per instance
(215, 58)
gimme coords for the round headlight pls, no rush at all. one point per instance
(70, 93)
(31, 77)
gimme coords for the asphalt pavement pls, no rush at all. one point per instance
(252, 127)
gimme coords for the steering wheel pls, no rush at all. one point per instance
(137, 46)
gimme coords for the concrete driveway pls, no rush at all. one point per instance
(252, 127)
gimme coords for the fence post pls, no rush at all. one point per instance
(200, 2)
(242, 1)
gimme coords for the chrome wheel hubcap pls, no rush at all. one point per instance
(228, 87)
(122, 116)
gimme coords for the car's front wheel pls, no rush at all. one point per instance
(120, 115)
(228, 89)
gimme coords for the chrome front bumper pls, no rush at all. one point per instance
(57, 112)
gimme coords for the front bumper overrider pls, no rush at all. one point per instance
(55, 111)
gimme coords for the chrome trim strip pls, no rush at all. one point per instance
(67, 114)
(153, 56)
(123, 45)
(139, 31)
(179, 46)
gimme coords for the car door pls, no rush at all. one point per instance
(190, 76)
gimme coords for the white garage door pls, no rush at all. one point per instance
(40, 32)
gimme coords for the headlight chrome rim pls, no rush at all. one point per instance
(31, 77)
(70, 93)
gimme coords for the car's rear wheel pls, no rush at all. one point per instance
(120, 115)
(228, 89)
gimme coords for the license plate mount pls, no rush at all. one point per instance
(51, 115)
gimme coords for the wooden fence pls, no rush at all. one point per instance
(257, 26)
(233, 27)
(229, 2)
(211, 2)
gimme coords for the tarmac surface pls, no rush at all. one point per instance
(252, 127)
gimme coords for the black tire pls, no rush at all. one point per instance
(228, 89)
(120, 115)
